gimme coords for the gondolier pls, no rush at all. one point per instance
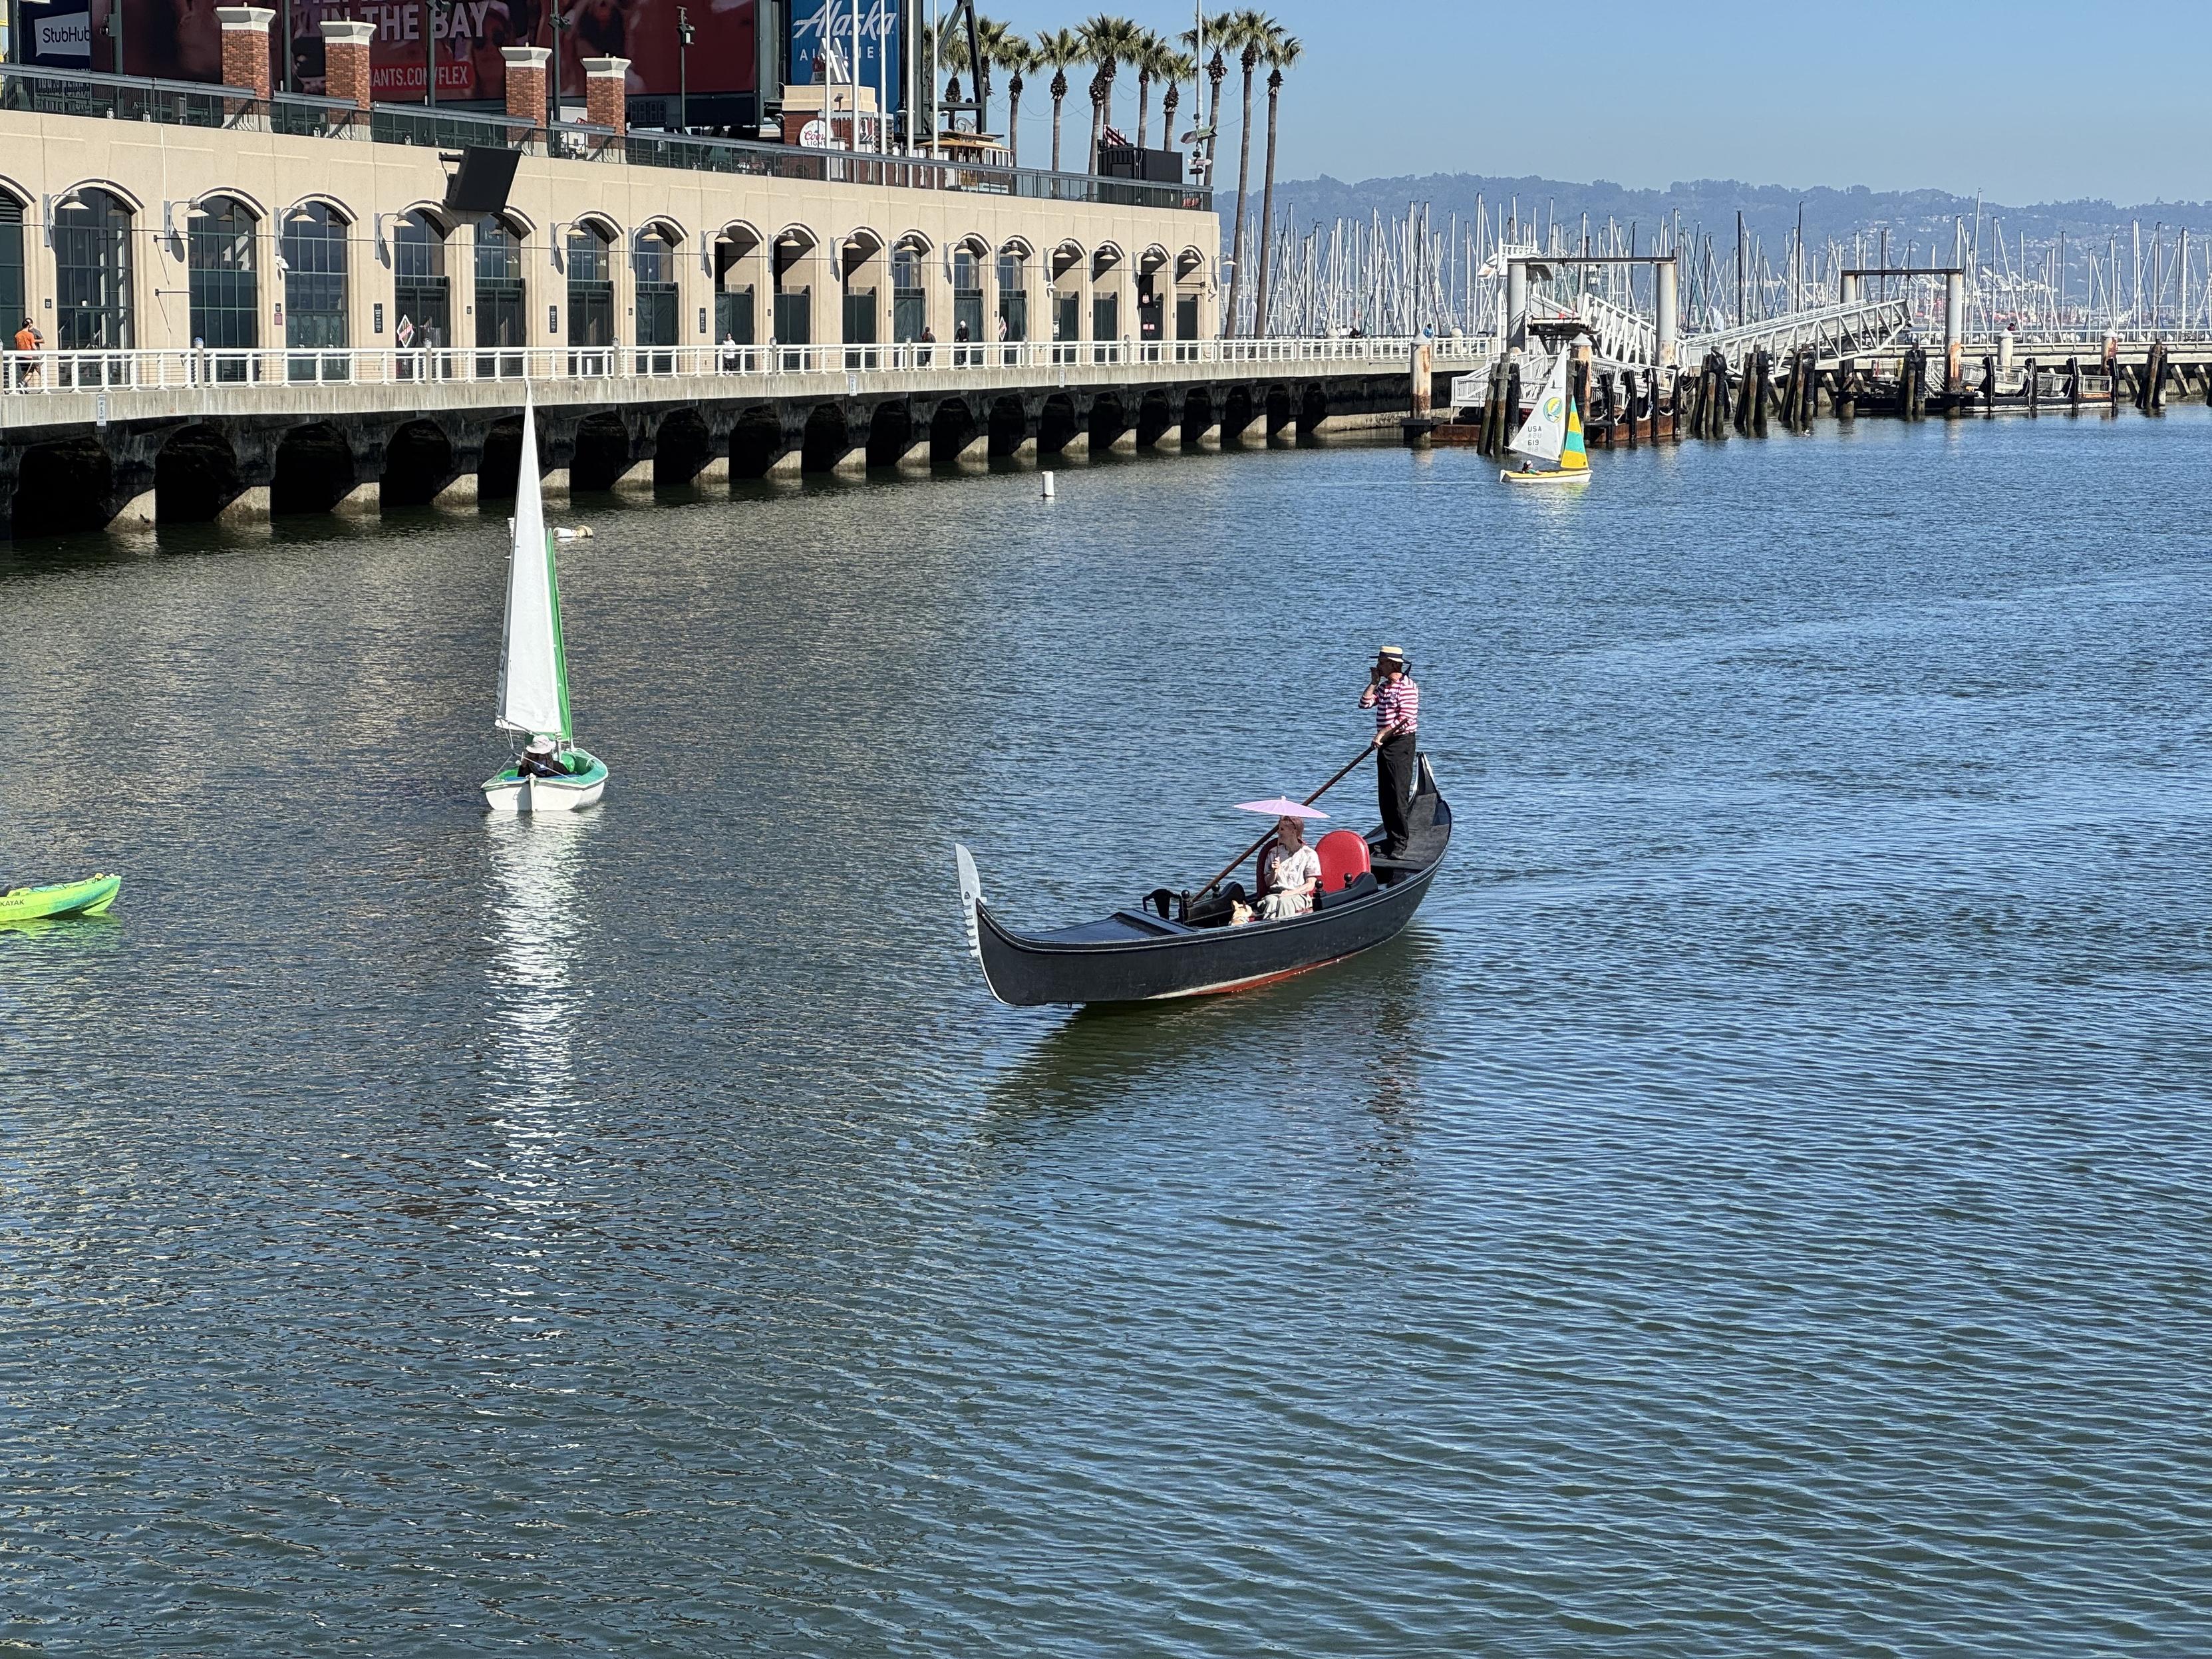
(1396, 701)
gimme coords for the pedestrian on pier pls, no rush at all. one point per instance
(27, 345)
(1396, 701)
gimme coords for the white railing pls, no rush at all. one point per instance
(1862, 325)
(215, 371)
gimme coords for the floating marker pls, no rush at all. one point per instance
(1048, 486)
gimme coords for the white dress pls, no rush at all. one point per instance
(1292, 869)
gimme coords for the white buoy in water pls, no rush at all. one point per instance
(1048, 486)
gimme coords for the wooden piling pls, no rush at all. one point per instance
(1989, 385)
(2034, 392)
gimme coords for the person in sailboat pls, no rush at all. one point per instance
(541, 758)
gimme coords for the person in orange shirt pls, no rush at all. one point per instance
(26, 342)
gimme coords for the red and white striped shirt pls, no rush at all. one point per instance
(1397, 706)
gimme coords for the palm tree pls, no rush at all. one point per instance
(1282, 51)
(1108, 42)
(1181, 66)
(1248, 34)
(1055, 50)
(1016, 56)
(992, 36)
(1150, 60)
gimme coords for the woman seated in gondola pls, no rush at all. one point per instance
(1290, 871)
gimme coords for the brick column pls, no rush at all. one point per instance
(526, 75)
(244, 51)
(606, 102)
(345, 59)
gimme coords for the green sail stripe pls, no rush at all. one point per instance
(560, 641)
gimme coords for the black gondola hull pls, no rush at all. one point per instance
(1133, 957)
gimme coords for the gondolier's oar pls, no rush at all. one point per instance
(1230, 868)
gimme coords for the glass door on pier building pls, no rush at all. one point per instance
(421, 299)
(1067, 325)
(591, 302)
(734, 315)
(653, 265)
(909, 305)
(795, 321)
(225, 316)
(315, 332)
(502, 307)
(1105, 321)
(967, 305)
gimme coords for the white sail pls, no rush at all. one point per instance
(1544, 433)
(533, 689)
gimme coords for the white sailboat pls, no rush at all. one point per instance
(1552, 434)
(552, 774)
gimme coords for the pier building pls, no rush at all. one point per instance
(249, 300)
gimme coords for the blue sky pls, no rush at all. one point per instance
(1866, 92)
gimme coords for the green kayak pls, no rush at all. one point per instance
(89, 897)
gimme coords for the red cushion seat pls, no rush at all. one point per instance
(1343, 855)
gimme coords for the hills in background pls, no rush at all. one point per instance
(1916, 220)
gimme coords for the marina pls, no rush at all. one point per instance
(1445, 915)
(1781, 1125)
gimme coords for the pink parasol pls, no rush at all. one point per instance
(1281, 808)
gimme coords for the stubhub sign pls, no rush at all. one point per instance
(60, 34)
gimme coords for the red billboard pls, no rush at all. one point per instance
(182, 40)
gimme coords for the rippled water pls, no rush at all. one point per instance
(1757, 1208)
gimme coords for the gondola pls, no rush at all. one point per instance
(1168, 949)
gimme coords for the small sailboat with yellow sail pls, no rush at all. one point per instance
(1552, 434)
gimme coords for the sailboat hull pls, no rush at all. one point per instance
(512, 792)
(1549, 477)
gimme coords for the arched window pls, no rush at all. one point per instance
(909, 302)
(734, 288)
(92, 276)
(502, 315)
(421, 293)
(315, 248)
(862, 264)
(225, 316)
(1013, 295)
(591, 299)
(794, 295)
(1105, 297)
(1190, 280)
(967, 294)
(11, 270)
(660, 321)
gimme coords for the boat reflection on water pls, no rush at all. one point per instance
(536, 934)
(1309, 1025)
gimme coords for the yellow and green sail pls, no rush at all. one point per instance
(1573, 457)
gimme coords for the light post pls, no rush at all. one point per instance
(559, 23)
(684, 33)
(430, 51)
